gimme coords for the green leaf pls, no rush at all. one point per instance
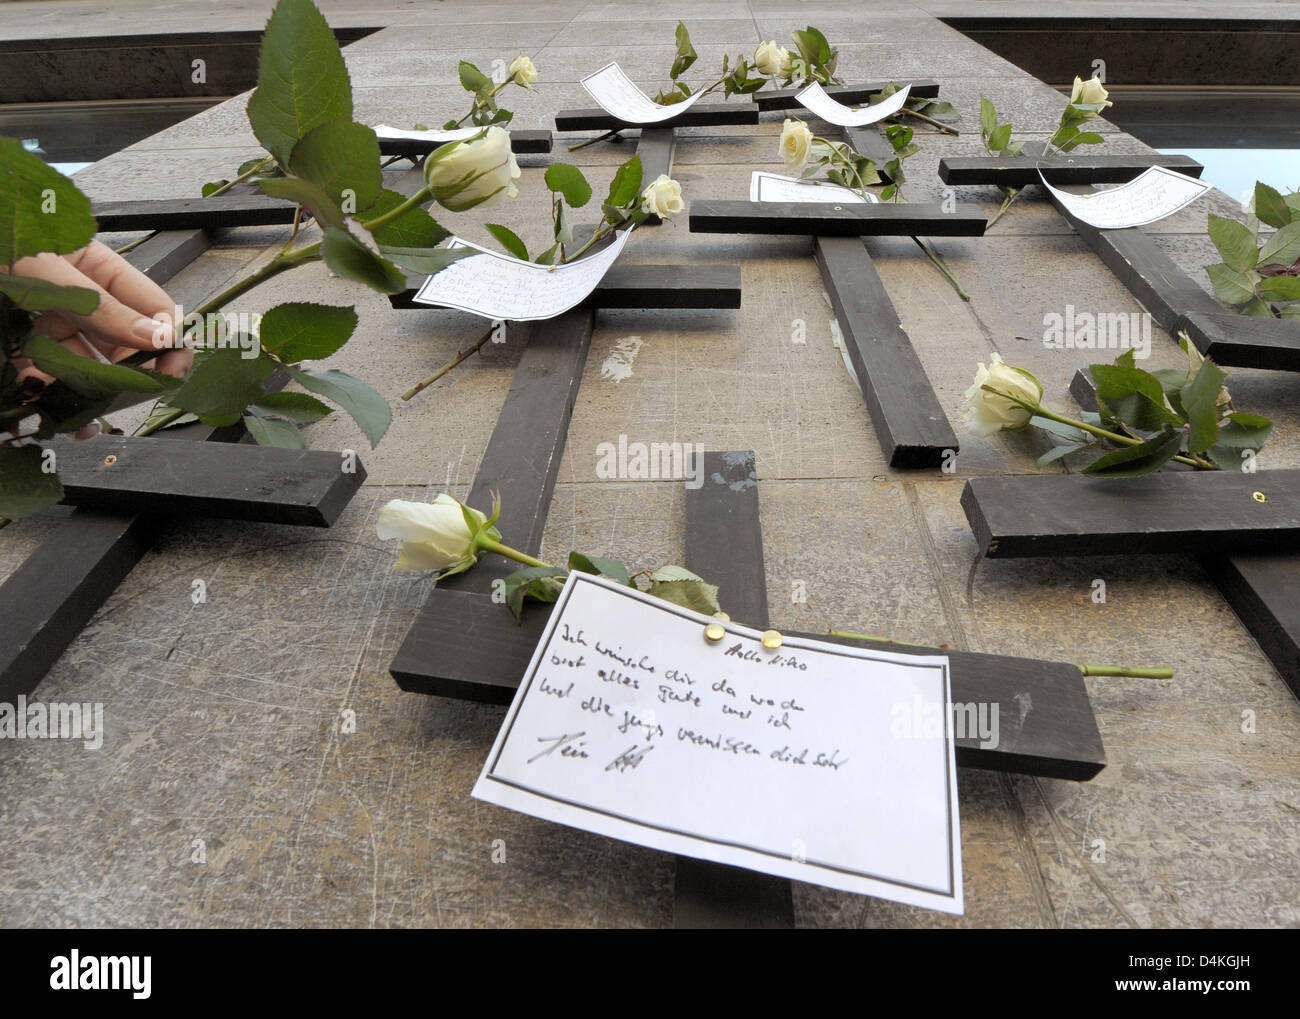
(212, 186)
(547, 257)
(271, 432)
(1256, 309)
(221, 385)
(1245, 431)
(301, 331)
(294, 406)
(1200, 403)
(368, 409)
(1057, 452)
(163, 411)
(1087, 138)
(348, 256)
(414, 228)
(999, 137)
(1270, 207)
(569, 181)
(1013, 149)
(1131, 396)
(1290, 311)
(1144, 458)
(1060, 428)
(691, 594)
(1232, 286)
(508, 239)
(670, 573)
(429, 261)
(1236, 244)
(90, 377)
(611, 568)
(1280, 288)
(32, 294)
(311, 197)
(626, 185)
(685, 52)
(302, 81)
(342, 159)
(472, 78)
(1283, 248)
(24, 487)
(541, 583)
(40, 209)
(988, 117)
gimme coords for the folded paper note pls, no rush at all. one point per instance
(772, 187)
(500, 287)
(817, 101)
(813, 761)
(459, 134)
(1153, 194)
(615, 93)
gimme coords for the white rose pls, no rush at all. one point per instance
(522, 71)
(663, 198)
(1090, 92)
(772, 59)
(987, 413)
(435, 536)
(477, 171)
(796, 141)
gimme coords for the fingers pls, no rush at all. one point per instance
(114, 322)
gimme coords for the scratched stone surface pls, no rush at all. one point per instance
(260, 767)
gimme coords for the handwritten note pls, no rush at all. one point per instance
(500, 287)
(437, 137)
(820, 103)
(615, 93)
(808, 761)
(1152, 195)
(772, 187)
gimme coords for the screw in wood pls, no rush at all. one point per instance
(110, 460)
(1259, 497)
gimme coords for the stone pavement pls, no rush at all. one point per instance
(223, 718)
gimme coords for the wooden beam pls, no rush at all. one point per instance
(1169, 511)
(910, 423)
(849, 95)
(193, 213)
(699, 115)
(463, 643)
(1073, 168)
(521, 142)
(819, 219)
(1242, 341)
(655, 147)
(724, 543)
(642, 286)
(264, 483)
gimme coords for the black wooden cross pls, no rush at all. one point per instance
(1244, 528)
(123, 488)
(1175, 300)
(909, 422)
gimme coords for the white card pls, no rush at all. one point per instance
(819, 103)
(616, 94)
(501, 287)
(460, 133)
(1153, 194)
(808, 762)
(772, 187)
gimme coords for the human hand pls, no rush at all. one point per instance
(134, 313)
